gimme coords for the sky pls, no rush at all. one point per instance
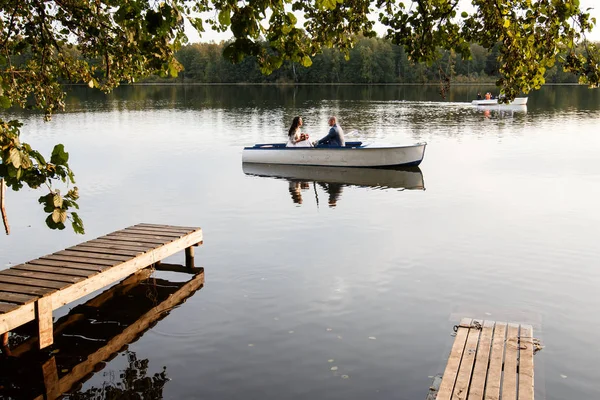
(210, 35)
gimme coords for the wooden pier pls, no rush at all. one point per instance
(31, 291)
(489, 361)
(93, 333)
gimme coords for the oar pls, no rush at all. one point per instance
(316, 195)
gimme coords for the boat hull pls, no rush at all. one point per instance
(518, 101)
(362, 156)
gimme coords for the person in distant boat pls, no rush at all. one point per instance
(335, 137)
(295, 137)
(479, 96)
(488, 96)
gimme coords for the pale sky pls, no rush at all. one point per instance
(210, 35)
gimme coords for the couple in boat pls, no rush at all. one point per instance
(335, 137)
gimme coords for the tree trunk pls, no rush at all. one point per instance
(2, 209)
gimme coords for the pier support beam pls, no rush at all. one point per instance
(189, 257)
(43, 308)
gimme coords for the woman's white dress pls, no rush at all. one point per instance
(303, 143)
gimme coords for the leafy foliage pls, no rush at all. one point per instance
(102, 43)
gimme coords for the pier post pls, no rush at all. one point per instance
(189, 257)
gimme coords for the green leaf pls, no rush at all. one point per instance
(225, 17)
(306, 61)
(5, 102)
(59, 155)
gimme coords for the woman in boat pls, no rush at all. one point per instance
(295, 137)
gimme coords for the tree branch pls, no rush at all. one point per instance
(2, 209)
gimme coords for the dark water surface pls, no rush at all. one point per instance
(347, 287)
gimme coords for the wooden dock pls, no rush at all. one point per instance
(31, 291)
(124, 312)
(489, 361)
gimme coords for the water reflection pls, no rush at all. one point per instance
(92, 334)
(333, 179)
(501, 111)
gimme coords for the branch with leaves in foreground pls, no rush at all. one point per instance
(44, 43)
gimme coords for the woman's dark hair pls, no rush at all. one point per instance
(295, 124)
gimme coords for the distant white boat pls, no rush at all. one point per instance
(518, 101)
(406, 178)
(355, 154)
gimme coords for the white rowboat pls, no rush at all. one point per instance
(353, 155)
(518, 101)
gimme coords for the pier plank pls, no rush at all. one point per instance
(83, 260)
(492, 391)
(42, 275)
(449, 378)
(17, 298)
(105, 250)
(511, 353)
(60, 271)
(67, 264)
(25, 281)
(151, 232)
(481, 362)
(526, 363)
(21, 289)
(6, 307)
(461, 387)
(92, 255)
(112, 244)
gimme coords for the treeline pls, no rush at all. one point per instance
(372, 61)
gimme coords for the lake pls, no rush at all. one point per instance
(345, 290)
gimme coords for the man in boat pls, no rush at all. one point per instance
(335, 137)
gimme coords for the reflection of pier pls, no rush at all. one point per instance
(93, 333)
(407, 178)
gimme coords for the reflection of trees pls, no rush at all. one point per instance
(135, 383)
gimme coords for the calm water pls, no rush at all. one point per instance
(500, 222)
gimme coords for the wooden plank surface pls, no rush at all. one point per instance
(6, 307)
(94, 256)
(82, 273)
(67, 264)
(143, 238)
(42, 275)
(139, 242)
(477, 386)
(526, 391)
(511, 353)
(151, 232)
(105, 250)
(81, 260)
(494, 379)
(461, 386)
(26, 281)
(112, 244)
(12, 288)
(185, 229)
(451, 371)
(17, 298)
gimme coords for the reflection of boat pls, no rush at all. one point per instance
(355, 154)
(518, 101)
(408, 178)
(93, 333)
